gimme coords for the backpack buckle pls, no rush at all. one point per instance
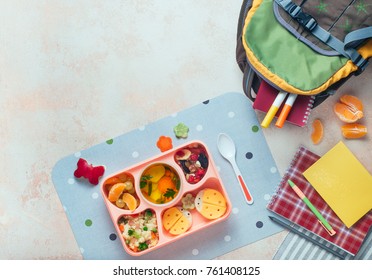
(295, 11)
(306, 20)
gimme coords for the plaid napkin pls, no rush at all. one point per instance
(288, 205)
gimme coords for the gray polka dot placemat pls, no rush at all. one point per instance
(230, 113)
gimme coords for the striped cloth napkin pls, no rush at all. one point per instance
(295, 247)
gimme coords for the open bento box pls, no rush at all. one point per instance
(165, 198)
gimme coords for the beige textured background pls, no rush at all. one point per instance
(76, 73)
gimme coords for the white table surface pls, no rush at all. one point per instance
(76, 73)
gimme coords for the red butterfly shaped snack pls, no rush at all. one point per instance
(88, 171)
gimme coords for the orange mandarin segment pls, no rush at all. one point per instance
(130, 201)
(353, 130)
(115, 192)
(112, 181)
(317, 133)
(349, 109)
(353, 102)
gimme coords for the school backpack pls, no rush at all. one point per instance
(308, 47)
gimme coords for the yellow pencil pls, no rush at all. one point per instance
(273, 109)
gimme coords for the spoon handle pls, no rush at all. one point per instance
(247, 194)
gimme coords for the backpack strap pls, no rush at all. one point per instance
(355, 38)
(248, 78)
(310, 24)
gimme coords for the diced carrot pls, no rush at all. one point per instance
(153, 235)
(166, 183)
(121, 227)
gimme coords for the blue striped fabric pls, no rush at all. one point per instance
(295, 247)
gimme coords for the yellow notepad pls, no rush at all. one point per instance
(343, 182)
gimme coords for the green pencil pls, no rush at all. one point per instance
(321, 219)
